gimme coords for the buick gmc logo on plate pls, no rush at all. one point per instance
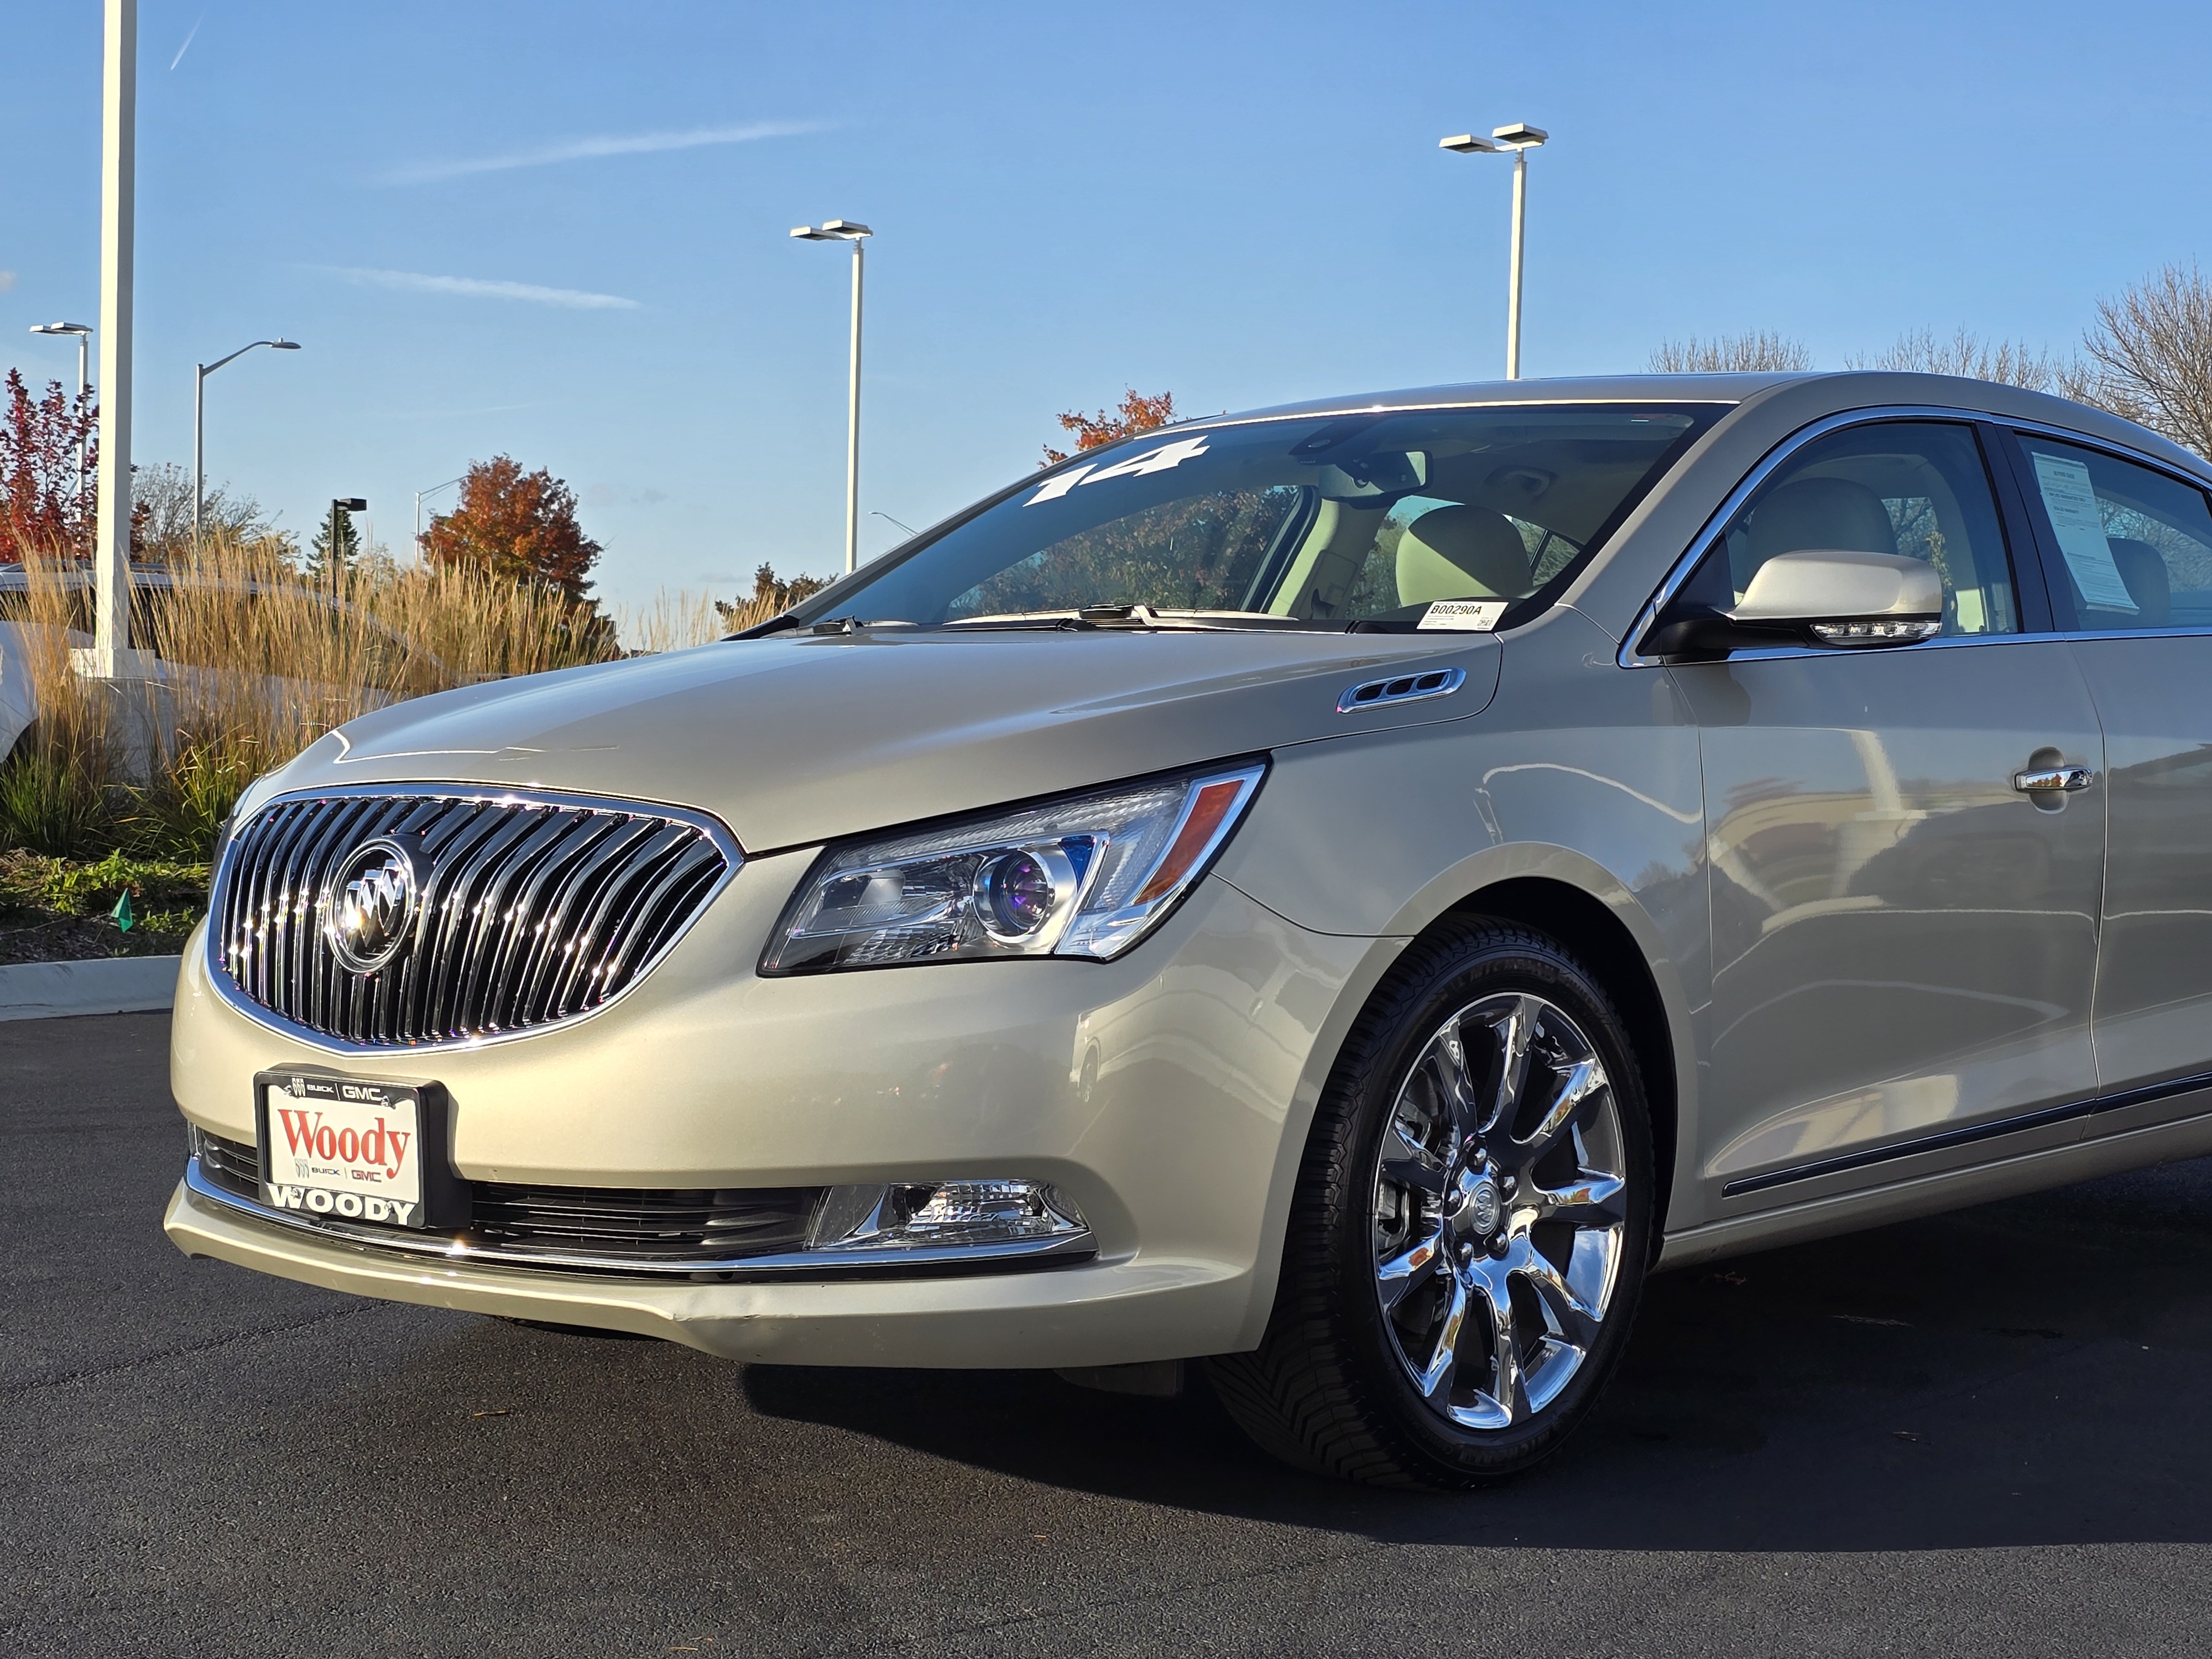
(369, 903)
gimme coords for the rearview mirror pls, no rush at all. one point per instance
(1820, 596)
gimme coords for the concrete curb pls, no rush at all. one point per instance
(111, 985)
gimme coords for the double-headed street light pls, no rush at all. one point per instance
(847, 230)
(1520, 138)
(200, 372)
(83, 333)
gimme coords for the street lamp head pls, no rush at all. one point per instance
(1468, 144)
(61, 328)
(1519, 136)
(833, 230)
(283, 344)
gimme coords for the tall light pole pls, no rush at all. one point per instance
(119, 131)
(422, 496)
(200, 372)
(848, 230)
(1519, 138)
(83, 332)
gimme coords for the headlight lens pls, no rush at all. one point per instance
(1085, 877)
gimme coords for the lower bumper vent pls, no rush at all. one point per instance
(608, 1226)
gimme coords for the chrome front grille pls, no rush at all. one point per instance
(528, 908)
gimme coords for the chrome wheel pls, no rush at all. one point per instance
(1500, 1206)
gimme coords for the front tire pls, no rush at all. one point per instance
(1472, 1223)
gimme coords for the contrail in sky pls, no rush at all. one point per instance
(580, 149)
(187, 47)
(477, 288)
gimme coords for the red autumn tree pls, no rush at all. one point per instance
(518, 525)
(1138, 413)
(46, 502)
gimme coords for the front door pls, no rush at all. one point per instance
(1904, 943)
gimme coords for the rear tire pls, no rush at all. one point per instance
(1472, 1223)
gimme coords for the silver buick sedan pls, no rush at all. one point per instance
(1324, 900)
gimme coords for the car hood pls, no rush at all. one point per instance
(792, 740)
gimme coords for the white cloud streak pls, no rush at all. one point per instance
(583, 149)
(477, 288)
(187, 47)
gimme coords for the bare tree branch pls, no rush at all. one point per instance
(1761, 350)
(1967, 355)
(2150, 356)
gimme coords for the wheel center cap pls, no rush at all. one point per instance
(1480, 1208)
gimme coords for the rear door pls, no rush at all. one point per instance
(1904, 944)
(2127, 547)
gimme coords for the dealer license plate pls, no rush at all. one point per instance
(348, 1150)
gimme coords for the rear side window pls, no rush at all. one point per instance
(2133, 545)
(1915, 487)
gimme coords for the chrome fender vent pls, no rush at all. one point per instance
(1406, 688)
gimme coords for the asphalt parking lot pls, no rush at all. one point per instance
(1986, 1432)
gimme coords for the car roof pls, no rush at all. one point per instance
(1588, 389)
(1837, 390)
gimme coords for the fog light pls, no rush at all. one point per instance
(941, 1215)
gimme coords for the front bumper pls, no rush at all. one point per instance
(1167, 1094)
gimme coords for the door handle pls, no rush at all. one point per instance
(2067, 779)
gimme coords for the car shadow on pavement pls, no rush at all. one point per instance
(2026, 1372)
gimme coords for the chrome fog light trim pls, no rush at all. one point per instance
(899, 1217)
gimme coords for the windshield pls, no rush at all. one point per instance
(1316, 522)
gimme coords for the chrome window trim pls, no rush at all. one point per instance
(226, 988)
(785, 1265)
(1629, 657)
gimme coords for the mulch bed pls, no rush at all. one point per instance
(61, 909)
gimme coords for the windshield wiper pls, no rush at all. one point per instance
(1140, 618)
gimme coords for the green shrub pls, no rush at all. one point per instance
(176, 817)
(49, 806)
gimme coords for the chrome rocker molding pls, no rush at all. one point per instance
(491, 794)
(1406, 688)
(1944, 1140)
(795, 1264)
(1629, 656)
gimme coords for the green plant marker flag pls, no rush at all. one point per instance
(123, 914)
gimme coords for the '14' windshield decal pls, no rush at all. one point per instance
(1152, 460)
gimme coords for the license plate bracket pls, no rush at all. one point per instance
(367, 1151)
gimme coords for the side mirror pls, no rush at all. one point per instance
(1820, 596)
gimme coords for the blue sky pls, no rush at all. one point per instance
(479, 220)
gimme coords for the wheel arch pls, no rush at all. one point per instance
(1593, 932)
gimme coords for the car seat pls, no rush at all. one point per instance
(1461, 553)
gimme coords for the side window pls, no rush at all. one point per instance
(1916, 488)
(2134, 546)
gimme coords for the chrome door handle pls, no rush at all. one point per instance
(2068, 778)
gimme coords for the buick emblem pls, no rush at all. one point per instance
(369, 903)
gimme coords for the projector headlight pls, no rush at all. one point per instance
(1087, 876)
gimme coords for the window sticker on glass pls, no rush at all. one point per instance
(1463, 615)
(2071, 501)
(1137, 466)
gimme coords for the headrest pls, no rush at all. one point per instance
(2150, 585)
(1840, 513)
(1461, 553)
